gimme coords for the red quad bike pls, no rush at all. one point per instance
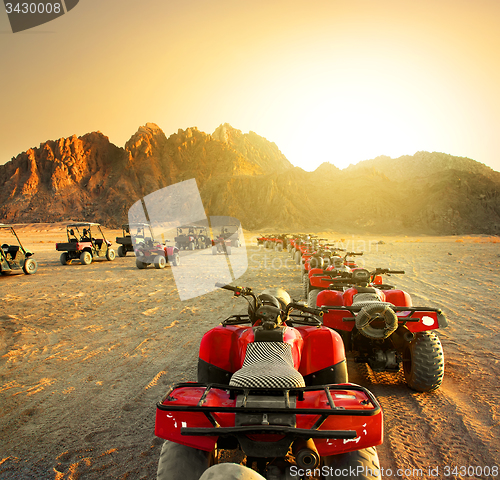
(15, 258)
(299, 243)
(281, 242)
(320, 278)
(294, 242)
(86, 242)
(271, 242)
(319, 256)
(262, 239)
(379, 324)
(307, 249)
(150, 251)
(273, 385)
(221, 245)
(321, 259)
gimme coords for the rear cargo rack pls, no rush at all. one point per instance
(313, 432)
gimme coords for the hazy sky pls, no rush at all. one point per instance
(334, 80)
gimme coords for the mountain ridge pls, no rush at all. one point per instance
(248, 177)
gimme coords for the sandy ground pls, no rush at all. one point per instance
(87, 351)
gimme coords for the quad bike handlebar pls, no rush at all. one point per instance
(270, 314)
(243, 291)
(357, 277)
(304, 308)
(383, 271)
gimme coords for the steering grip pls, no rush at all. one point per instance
(314, 311)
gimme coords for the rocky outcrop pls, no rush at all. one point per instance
(247, 177)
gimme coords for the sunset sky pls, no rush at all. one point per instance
(335, 80)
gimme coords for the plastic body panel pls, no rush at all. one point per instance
(313, 348)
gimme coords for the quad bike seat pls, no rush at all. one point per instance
(268, 365)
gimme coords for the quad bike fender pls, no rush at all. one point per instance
(314, 271)
(331, 298)
(171, 250)
(323, 348)
(398, 297)
(428, 320)
(225, 347)
(320, 282)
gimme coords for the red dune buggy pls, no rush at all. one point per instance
(149, 251)
(86, 242)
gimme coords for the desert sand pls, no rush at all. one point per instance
(87, 351)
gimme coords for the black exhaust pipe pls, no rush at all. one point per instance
(306, 454)
(408, 336)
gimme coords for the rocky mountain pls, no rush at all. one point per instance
(246, 176)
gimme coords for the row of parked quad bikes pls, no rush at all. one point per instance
(273, 383)
(86, 242)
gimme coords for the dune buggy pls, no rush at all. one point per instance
(14, 257)
(86, 242)
(125, 242)
(231, 233)
(220, 245)
(149, 251)
(186, 238)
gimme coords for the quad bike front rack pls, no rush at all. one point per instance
(414, 315)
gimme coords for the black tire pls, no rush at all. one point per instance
(30, 266)
(423, 362)
(305, 286)
(86, 258)
(178, 462)
(140, 264)
(122, 252)
(160, 261)
(364, 461)
(64, 258)
(175, 260)
(312, 295)
(297, 257)
(110, 254)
